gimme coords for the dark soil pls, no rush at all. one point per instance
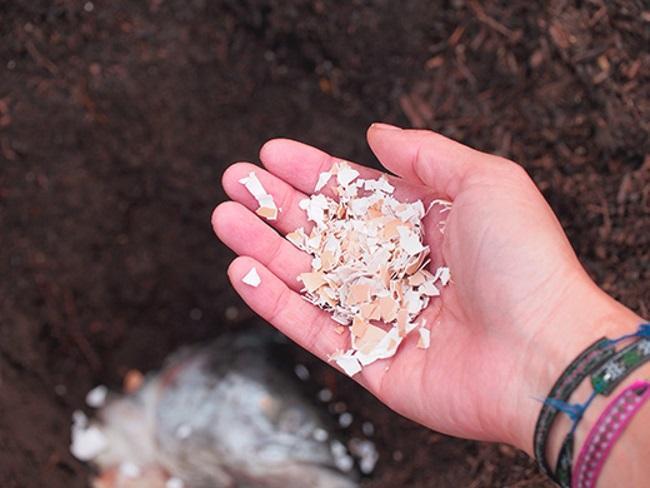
(117, 119)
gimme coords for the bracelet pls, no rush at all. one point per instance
(606, 431)
(606, 378)
(610, 375)
(596, 354)
(591, 358)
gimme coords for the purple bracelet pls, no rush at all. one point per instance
(606, 431)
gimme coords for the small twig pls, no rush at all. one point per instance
(465, 71)
(41, 60)
(65, 322)
(76, 334)
(455, 36)
(600, 14)
(490, 22)
(411, 111)
(7, 150)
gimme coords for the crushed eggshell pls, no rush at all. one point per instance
(443, 274)
(342, 460)
(323, 178)
(346, 175)
(366, 453)
(88, 441)
(96, 398)
(425, 338)
(252, 278)
(130, 470)
(346, 362)
(369, 264)
(267, 207)
(174, 482)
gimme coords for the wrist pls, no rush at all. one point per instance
(584, 315)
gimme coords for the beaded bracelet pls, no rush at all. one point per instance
(604, 380)
(606, 431)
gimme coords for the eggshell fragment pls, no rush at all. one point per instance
(347, 363)
(312, 281)
(252, 278)
(267, 207)
(368, 264)
(425, 338)
(88, 441)
(96, 398)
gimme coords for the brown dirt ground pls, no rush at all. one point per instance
(117, 119)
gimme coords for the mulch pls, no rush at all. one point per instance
(118, 118)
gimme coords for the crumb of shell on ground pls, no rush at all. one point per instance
(130, 470)
(266, 204)
(174, 482)
(369, 264)
(252, 278)
(88, 441)
(96, 397)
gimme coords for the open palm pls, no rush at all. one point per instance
(511, 266)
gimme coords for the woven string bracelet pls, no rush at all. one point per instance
(592, 357)
(604, 380)
(606, 431)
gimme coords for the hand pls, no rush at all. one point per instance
(511, 319)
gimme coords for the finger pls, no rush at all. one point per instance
(286, 310)
(286, 198)
(300, 165)
(244, 233)
(425, 157)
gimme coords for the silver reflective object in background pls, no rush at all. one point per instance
(222, 415)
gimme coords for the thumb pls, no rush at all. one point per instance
(425, 157)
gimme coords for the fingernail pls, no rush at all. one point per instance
(382, 126)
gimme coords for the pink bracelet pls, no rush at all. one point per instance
(606, 431)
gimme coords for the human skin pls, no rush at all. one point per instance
(519, 307)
